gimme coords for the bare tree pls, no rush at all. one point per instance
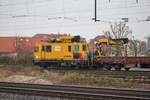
(107, 34)
(118, 30)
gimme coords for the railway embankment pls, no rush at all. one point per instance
(37, 75)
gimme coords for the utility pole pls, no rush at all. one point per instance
(95, 10)
(95, 19)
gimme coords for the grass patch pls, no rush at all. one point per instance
(16, 60)
(80, 79)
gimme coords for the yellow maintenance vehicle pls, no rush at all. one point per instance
(62, 51)
(72, 51)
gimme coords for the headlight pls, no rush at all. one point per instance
(36, 57)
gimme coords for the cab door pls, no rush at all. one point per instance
(48, 50)
(76, 49)
(43, 52)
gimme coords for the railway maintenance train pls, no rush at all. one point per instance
(73, 52)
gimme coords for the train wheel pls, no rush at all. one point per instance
(127, 69)
(90, 67)
(94, 67)
(71, 67)
(117, 69)
(44, 65)
(145, 66)
(77, 67)
(108, 68)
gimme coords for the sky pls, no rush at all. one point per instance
(28, 17)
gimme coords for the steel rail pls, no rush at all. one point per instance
(138, 76)
(104, 72)
(77, 92)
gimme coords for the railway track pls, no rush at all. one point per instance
(106, 72)
(74, 92)
(139, 76)
(135, 72)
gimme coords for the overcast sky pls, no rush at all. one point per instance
(28, 17)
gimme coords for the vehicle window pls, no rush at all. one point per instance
(84, 47)
(36, 49)
(48, 48)
(43, 48)
(76, 48)
(69, 48)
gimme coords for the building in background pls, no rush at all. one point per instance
(9, 45)
(147, 51)
(148, 41)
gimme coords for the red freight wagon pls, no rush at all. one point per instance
(119, 62)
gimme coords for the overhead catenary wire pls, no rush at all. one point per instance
(130, 5)
(72, 10)
(55, 13)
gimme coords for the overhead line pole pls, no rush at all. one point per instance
(95, 19)
(95, 10)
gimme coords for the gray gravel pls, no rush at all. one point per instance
(4, 96)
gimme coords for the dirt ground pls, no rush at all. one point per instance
(23, 74)
(37, 75)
